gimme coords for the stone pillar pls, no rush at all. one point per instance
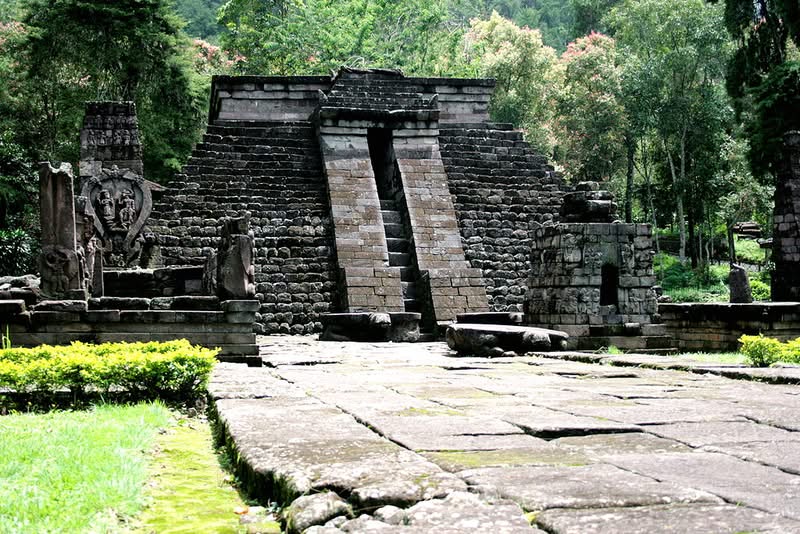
(455, 286)
(786, 220)
(233, 264)
(361, 248)
(61, 263)
(110, 137)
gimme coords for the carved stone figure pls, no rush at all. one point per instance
(235, 271)
(59, 263)
(124, 201)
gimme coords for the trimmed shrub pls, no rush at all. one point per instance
(171, 370)
(763, 351)
(761, 291)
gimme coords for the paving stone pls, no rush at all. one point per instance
(544, 454)
(319, 447)
(785, 455)
(237, 381)
(734, 480)
(468, 513)
(591, 486)
(659, 411)
(316, 509)
(600, 445)
(546, 423)
(714, 432)
(676, 518)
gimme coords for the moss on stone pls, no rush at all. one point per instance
(409, 412)
(460, 460)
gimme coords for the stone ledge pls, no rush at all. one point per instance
(499, 340)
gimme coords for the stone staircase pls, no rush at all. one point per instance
(501, 187)
(400, 254)
(274, 171)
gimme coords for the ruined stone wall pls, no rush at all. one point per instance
(274, 171)
(786, 224)
(502, 190)
(714, 327)
(110, 136)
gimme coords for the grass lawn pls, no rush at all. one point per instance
(735, 358)
(80, 471)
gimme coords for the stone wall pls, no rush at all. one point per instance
(202, 320)
(109, 137)
(716, 327)
(502, 191)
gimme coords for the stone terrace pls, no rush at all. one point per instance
(409, 438)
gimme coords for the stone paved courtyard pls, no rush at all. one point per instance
(409, 438)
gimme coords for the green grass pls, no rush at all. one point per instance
(75, 471)
(189, 491)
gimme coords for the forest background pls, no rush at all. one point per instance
(678, 106)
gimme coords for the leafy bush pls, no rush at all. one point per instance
(764, 351)
(760, 290)
(172, 370)
(16, 253)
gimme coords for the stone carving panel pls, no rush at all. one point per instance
(120, 203)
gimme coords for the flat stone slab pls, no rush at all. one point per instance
(590, 486)
(12, 306)
(495, 318)
(411, 424)
(734, 480)
(495, 340)
(706, 518)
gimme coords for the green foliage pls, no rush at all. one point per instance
(81, 471)
(764, 351)
(591, 117)
(684, 284)
(200, 17)
(17, 253)
(284, 37)
(173, 370)
(524, 70)
(760, 290)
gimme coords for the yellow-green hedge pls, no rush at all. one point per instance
(764, 351)
(171, 369)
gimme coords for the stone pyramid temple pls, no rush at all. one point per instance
(367, 191)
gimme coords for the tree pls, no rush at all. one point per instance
(591, 118)
(77, 50)
(525, 72)
(589, 15)
(200, 17)
(764, 74)
(284, 38)
(680, 50)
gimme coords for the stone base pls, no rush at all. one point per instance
(505, 318)
(500, 340)
(370, 327)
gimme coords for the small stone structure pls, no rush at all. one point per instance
(786, 224)
(593, 278)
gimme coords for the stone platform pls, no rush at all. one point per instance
(396, 437)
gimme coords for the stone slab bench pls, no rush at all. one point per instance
(502, 340)
(370, 327)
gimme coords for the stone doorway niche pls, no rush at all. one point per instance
(609, 285)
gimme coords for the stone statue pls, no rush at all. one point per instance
(107, 209)
(128, 212)
(60, 262)
(234, 263)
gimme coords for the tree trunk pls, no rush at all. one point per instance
(731, 243)
(678, 206)
(648, 185)
(629, 179)
(691, 238)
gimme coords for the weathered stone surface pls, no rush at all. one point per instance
(369, 326)
(734, 480)
(234, 381)
(235, 272)
(785, 241)
(467, 512)
(316, 509)
(785, 455)
(598, 446)
(739, 285)
(71, 306)
(716, 433)
(62, 268)
(708, 518)
(506, 318)
(11, 307)
(485, 340)
(547, 423)
(120, 303)
(539, 454)
(591, 486)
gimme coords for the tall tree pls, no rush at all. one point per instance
(591, 117)
(525, 72)
(78, 50)
(680, 50)
(764, 74)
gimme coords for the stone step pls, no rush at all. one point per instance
(391, 216)
(397, 244)
(411, 305)
(409, 290)
(399, 259)
(626, 343)
(407, 274)
(387, 204)
(396, 230)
